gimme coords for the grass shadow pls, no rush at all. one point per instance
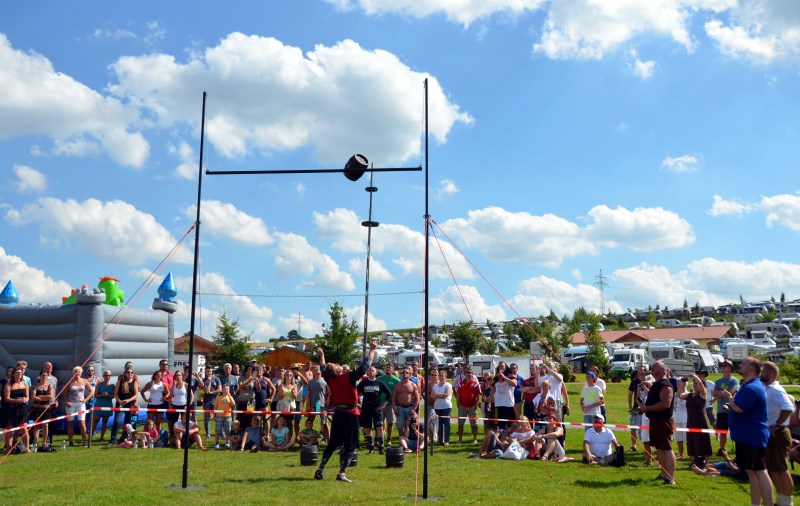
(256, 480)
(627, 482)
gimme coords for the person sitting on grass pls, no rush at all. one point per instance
(523, 434)
(149, 435)
(725, 467)
(235, 436)
(494, 443)
(254, 437)
(412, 440)
(546, 443)
(309, 436)
(598, 442)
(179, 428)
(280, 440)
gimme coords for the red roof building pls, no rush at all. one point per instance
(703, 335)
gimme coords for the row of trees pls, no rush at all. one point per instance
(337, 340)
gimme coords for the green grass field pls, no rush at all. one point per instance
(102, 475)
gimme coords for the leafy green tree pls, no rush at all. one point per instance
(783, 298)
(464, 340)
(234, 348)
(436, 341)
(338, 338)
(407, 342)
(595, 354)
(526, 336)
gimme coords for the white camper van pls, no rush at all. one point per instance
(481, 363)
(778, 330)
(628, 359)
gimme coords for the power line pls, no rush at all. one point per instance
(284, 296)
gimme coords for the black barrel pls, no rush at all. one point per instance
(309, 455)
(353, 458)
(395, 456)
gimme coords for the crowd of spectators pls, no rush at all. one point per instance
(525, 411)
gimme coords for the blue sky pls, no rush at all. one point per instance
(656, 141)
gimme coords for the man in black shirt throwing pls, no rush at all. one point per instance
(658, 408)
(370, 390)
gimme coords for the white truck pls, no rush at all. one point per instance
(628, 359)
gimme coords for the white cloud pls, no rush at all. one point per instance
(343, 228)
(447, 187)
(377, 272)
(588, 29)
(783, 210)
(337, 100)
(540, 294)
(762, 31)
(32, 284)
(113, 231)
(38, 100)
(725, 207)
(300, 188)
(643, 229)
(502, 235)
(29, 179)
(252, 317)
(648, 285)
(295, 256)
(547, 240)
(373, 324)
(685, 164)
(755, 280)
(187, 169)
(113, 33)
(463, 12)
(639, 68)
(307, 326)
(449, 305)
(226, 221)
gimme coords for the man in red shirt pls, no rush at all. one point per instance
(166, 375)
(344, 399)
(468, 394)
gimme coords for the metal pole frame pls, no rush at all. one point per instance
(300, 171)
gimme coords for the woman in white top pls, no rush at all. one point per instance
(443, 405)
(181, 396)
(157, 396)
(79, 392)
(680, 416)
(503, 395)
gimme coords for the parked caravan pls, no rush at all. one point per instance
(409, 357)
(779, 330)
(481, 363)
(628, 359)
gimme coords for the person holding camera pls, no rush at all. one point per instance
(503, 394)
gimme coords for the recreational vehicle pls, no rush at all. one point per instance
(481, 363)
(409, 357)
(779, 330)
(628, 359)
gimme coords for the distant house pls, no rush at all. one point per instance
(703, 335)
(285, 357)
(201, 345)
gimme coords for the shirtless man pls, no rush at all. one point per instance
(405, 399)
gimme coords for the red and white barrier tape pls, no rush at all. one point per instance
(42, 422)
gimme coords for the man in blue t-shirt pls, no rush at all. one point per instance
(726, 383)
(749, 429)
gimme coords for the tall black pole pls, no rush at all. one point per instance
(184, 483)
(369, 224)
(427, 290)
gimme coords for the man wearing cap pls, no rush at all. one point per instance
(591, 399)
(597, 443)
(747, 417)
(726, 383)
(658, 408)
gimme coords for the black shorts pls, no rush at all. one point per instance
(344, 430)
(371, 416)
(722, 421)
(506, 413)
(750, 458)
